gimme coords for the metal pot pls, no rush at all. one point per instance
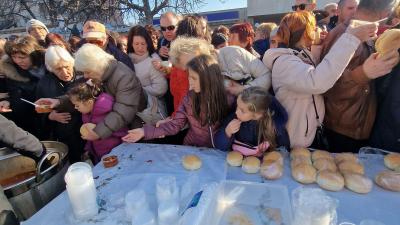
(34, 188)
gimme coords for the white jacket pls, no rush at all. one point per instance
(295, 82)
(155, 85)
(237, 64)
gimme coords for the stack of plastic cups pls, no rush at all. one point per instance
(168, 200)
(137, 208)
(81, 191)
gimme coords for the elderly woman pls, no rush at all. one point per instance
(23, 67)
(299, 81)
(63, 123)
(118, 80)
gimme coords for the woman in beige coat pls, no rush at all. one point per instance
(298, 81)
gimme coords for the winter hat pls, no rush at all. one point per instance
(35, 23)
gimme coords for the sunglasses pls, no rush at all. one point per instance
(170, 28)
(301, 7)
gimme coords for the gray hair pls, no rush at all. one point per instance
(55, 55)
(172, 14)
(90, 57)
(377, 5)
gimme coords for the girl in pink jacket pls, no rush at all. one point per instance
(202, 109)
(94, 106)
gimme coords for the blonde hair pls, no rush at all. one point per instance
(90, 57)
(265, 29)
(189, 45)
(55, 55)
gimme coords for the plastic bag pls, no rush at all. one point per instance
(312, 206)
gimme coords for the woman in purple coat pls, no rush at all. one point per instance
(202, 109)
(94, 106)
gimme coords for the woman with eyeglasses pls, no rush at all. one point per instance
(23, 68)
(299, 81)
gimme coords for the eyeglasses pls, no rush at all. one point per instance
(170, 28)
(301, 7)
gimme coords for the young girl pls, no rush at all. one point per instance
(257, 125)
(94, 106)
(203, 107)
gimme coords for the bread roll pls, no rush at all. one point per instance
(84, 128)
(304, 173)
(357, 183)
(325, 164)
(389, 180)
(388, 41)
(300, 160)
(320, 154)
(346, 156)
(271, 170)
(191, 162)
(330, 181)
(234, 158)
(274, 156)
(251, 165)
(300, 152)
(392, 161)
(351, 167)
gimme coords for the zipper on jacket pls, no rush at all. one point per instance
(307, 127)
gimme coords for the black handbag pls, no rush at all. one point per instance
(320, 140)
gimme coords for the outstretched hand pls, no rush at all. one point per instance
(134, 135)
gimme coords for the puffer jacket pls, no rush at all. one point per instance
(155, 85)
(295, 81)
(238, 64)
(102, 106)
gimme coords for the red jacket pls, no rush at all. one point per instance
(179, 85)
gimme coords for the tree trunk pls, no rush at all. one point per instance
(23, 2)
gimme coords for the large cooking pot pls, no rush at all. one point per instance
(30, 186)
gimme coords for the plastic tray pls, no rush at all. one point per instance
(245, 203)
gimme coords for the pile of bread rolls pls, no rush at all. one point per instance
(271, 168)
(249, 164)
(330, 173)
(390, 179)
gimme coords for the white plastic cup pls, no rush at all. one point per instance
(135, 203)
(81, 190)
(166, 189)
(168, 212)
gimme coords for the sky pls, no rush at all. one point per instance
(213, 5)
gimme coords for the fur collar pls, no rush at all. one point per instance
(8, 69)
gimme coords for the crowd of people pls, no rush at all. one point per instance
(314, 80)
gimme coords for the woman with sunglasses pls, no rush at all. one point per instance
(299, 81)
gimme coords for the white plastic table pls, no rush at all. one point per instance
(141, 164)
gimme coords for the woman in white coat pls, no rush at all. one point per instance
(142, 53)
(299, 81)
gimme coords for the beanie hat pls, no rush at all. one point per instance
(35, 23)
